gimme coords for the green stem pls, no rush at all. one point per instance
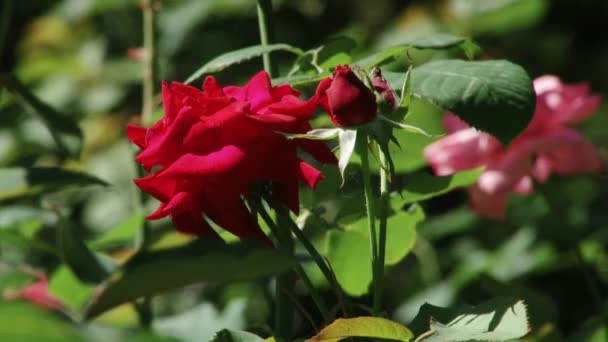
(265, 23)
(362, 146)
(299, 270)
(384, 193)
(284, 314)
(144, 306)
(147, 111)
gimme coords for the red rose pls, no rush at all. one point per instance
(347, 100)
(211, 144)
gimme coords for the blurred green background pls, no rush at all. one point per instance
(73, 54)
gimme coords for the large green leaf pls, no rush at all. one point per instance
(435, 41)
(422, 186)
(353, 270)
(22, 322)
(122, 234)
(203, 260)
(19, 182)
(64, 130)
(369, 327)
(496, 320)
(227, 59)
(494, 96)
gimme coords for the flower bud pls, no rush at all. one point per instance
(347, 100)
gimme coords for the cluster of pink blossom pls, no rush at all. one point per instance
(548, 145)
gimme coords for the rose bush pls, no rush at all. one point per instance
(212, 143)
(548, 145)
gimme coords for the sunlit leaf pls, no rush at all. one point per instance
(348, 140)
(203, 260)
(369, 327)
(497, 320)
(24, 322)
(353, 270)
(227, 59)
(122, 234)
(69, 290)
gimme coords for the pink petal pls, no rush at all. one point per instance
(462, 150)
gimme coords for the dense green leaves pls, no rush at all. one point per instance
(494, 96)
(64, 130)
(422, 186)
(24, 322)
(369, 327)
(496, 320)
(17, 183)
(204, 260)
(225, 60)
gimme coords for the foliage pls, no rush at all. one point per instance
(70, 211)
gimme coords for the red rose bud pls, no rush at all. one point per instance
(347, 100)
(383, 88)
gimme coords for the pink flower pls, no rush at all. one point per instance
(36, 293)
(546, 146)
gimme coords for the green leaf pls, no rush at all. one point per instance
(301, 80)
(24, 322)
(315, 134)
(122, 234)
(226, 335)
(501, 319)
(75, 253)
(435, 41)
(204, 260)
(422, 186)
(16, 183)
(64, 130)
(351, 269)
(225, 60)
(399, 125)
(66, 287)
(348, 140)
(494, 96)
(369, 327)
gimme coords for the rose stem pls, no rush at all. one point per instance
(265, 23)
(284, 310)
(144, 306)
(381, 228)
(362, 146)
(299, 270)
